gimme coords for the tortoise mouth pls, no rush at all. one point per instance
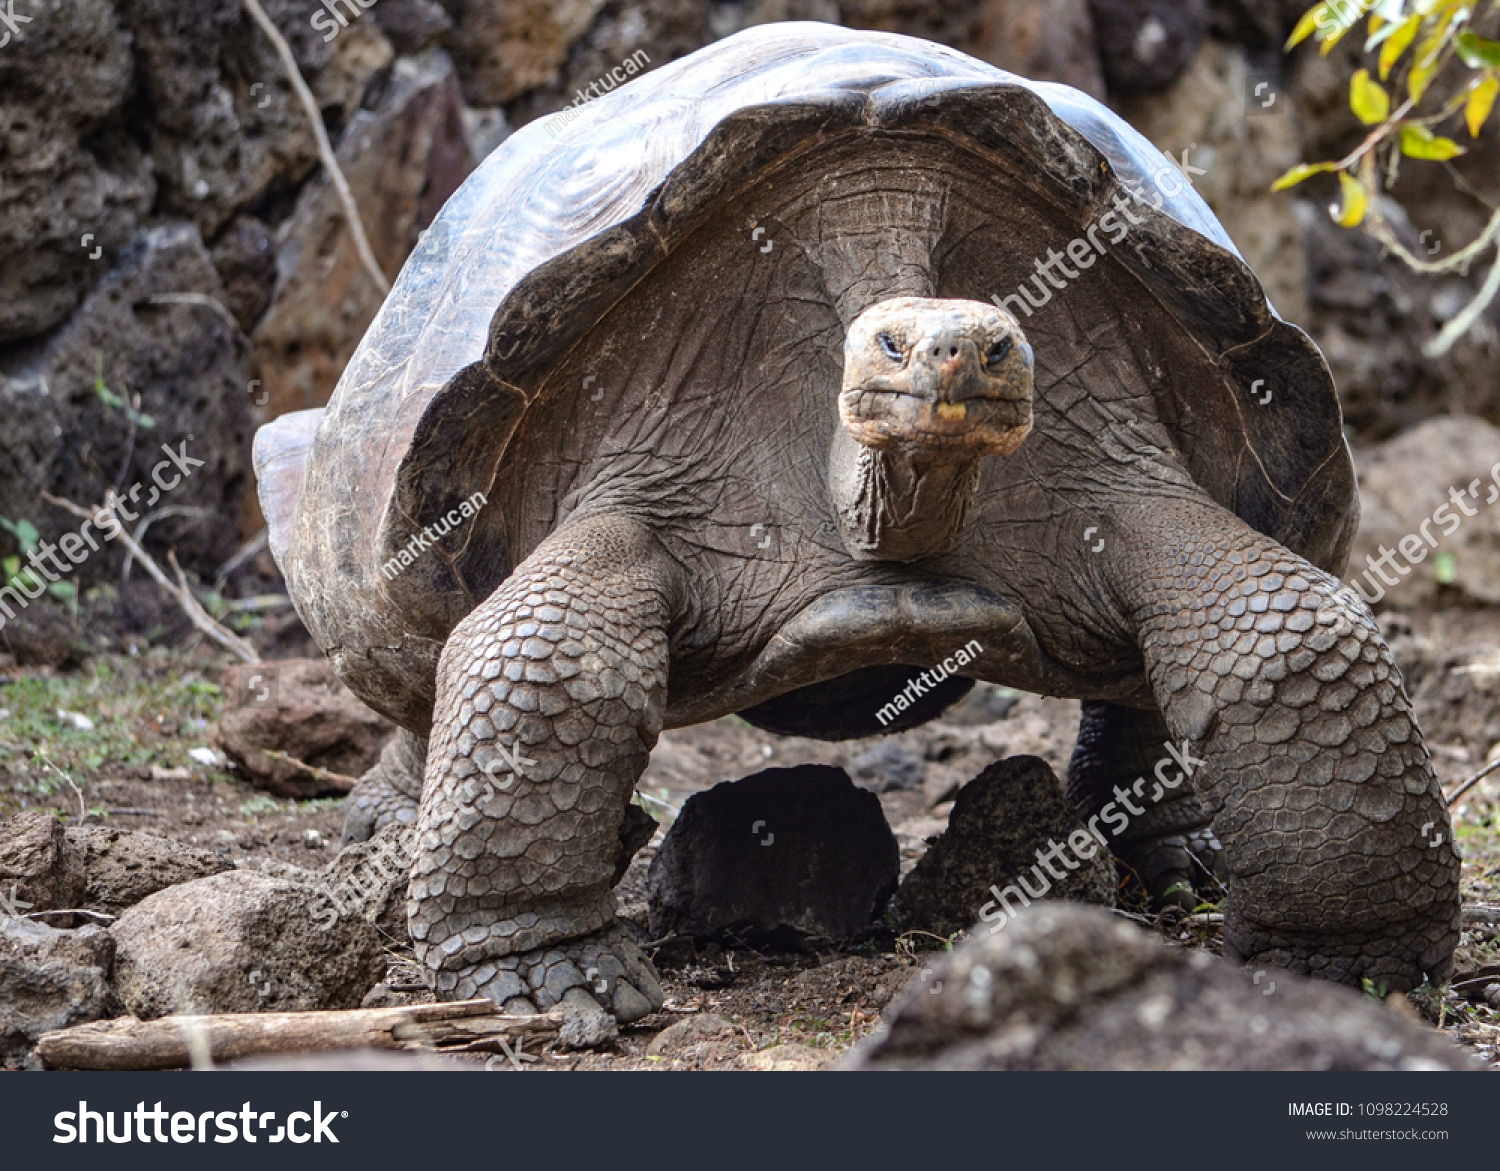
(983, 424)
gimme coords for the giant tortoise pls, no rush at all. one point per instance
(775, 378)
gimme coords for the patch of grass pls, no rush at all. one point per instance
(258, 805)
(144, 711)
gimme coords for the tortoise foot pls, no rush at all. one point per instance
(604, 969)
(389, 792)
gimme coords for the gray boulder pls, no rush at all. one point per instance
(241, 942)
(39, 870)
(1070, 987)
(125, 866)
(50, 979)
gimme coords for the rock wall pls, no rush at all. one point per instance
(167, 230)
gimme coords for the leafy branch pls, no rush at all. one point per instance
(1414, 42)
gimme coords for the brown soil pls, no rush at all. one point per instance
(783, 1011)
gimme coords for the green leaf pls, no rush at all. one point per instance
(1417, 142)
(25, 533)
(109, 398)
(1310, 20)
(1355, 201)
(1397, 43)
(63, 590)
(1298, 173)
(1481, 101)
(1445, 569)
(1368, 99)
(1477, 52)
(11, 565)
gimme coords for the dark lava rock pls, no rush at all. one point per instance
(39, 870)
(242, 942)
(151, 333)
(1000, 821)
(787, 857)
(1145, 44)
(125, 866)
(1067, 987)
(50, 979)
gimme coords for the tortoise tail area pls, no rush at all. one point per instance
(280, 454)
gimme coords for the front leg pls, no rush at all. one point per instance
(1169, 845)
(550, 697)
(1337, 840)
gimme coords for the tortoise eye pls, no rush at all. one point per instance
(889, 347)
(997, 352)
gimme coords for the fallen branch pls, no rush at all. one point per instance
(197, 615)
(338, 780)
(1452, 798)
(460, 1027)
(325, 148)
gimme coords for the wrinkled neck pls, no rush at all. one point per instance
(895, 506)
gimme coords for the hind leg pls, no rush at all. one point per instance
(550, 697)
(390, 791)
(1170, 846)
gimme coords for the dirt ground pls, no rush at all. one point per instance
(150, 707)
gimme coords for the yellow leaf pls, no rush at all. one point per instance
(1298, 173)
(1368, 100)
(1306, 25)
(1355, 202)
(1417, 142)
(1397, 43)
(1481, 100)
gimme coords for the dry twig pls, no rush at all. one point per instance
(325, 148)
(196, 613)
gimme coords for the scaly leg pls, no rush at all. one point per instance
(550, 697)
(388, 792)
(1170, 846)
(1336, 837)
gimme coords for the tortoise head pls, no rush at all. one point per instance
(930, 388)
(936, 378)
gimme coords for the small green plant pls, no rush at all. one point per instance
(26, 579)
(115, 403)
(258, 805)
(1378, 991)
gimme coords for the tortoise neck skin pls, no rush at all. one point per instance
(931, 387)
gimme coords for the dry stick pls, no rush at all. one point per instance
(325, 148)
(243, 554)
(196, 614)
(322, 774)
(82, 809)
(1472, 781)
(127, 1043)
